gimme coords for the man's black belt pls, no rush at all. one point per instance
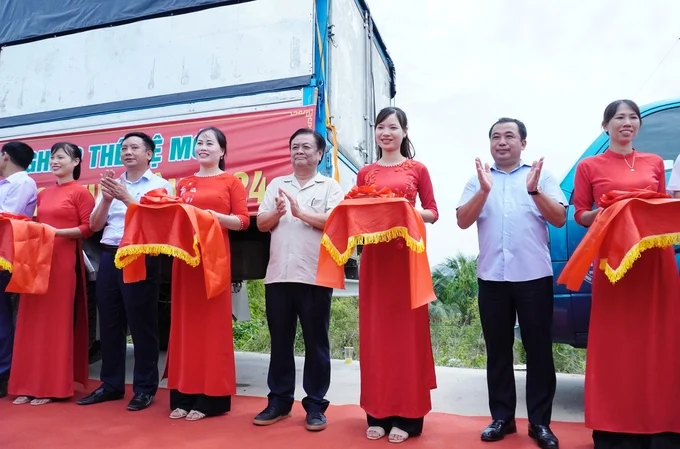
(109, 248)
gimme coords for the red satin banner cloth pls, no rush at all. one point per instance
(161, 224)
(372, 219)
(632, 222)
(26, 251)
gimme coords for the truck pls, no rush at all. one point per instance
(659, 134)
(88, 72)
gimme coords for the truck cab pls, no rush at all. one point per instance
(659, 134)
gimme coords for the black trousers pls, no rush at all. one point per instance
(412, 426)
(285, 303)
(532, 303)
(6, 326)
(208, 405)
(135, 305)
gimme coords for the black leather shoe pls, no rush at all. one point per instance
(140, 401)
(544, 437)
(498, 429)
(315, 421)
(270, 415)
(3, 387)
(100, 395)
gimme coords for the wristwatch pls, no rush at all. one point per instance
(535, 192)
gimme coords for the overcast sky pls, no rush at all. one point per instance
(462, 64)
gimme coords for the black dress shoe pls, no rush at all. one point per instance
(3, 387)
(544, 437)
(270, 415)
(100, 395)
(315, 421)
(498, 429)
(140, 401)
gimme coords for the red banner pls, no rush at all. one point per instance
(257, 148)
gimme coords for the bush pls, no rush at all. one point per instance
(454, 344)
(464, 347)
(253, 336)
(456, 341)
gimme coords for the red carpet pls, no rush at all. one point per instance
(110, 425)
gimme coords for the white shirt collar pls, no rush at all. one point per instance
(521, 164)
(16, 176)
(147, 175)
(317, 178)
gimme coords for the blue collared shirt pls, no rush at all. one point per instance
(115, 220)
(18, 194)
(513, 235)
(674, 181)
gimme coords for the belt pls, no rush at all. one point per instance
(109, 248)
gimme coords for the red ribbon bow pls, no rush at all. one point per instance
(370, 192)
(159, 196)
(614, 196)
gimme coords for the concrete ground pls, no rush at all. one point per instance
(460, 391)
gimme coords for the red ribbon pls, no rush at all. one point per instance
(159, 196)
(14, 216)
(614, 196)
(370, 192)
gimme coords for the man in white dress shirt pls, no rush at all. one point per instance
(121, 305)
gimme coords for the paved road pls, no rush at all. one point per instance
(460, 391)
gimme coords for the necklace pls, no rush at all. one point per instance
(631, 166)
(396, 164)
(209, 175)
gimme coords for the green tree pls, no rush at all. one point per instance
(457, 338)
(455, 285)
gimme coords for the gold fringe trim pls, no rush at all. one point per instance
(127, 254)
(5, 265)
(633, 254)
(371, 239)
